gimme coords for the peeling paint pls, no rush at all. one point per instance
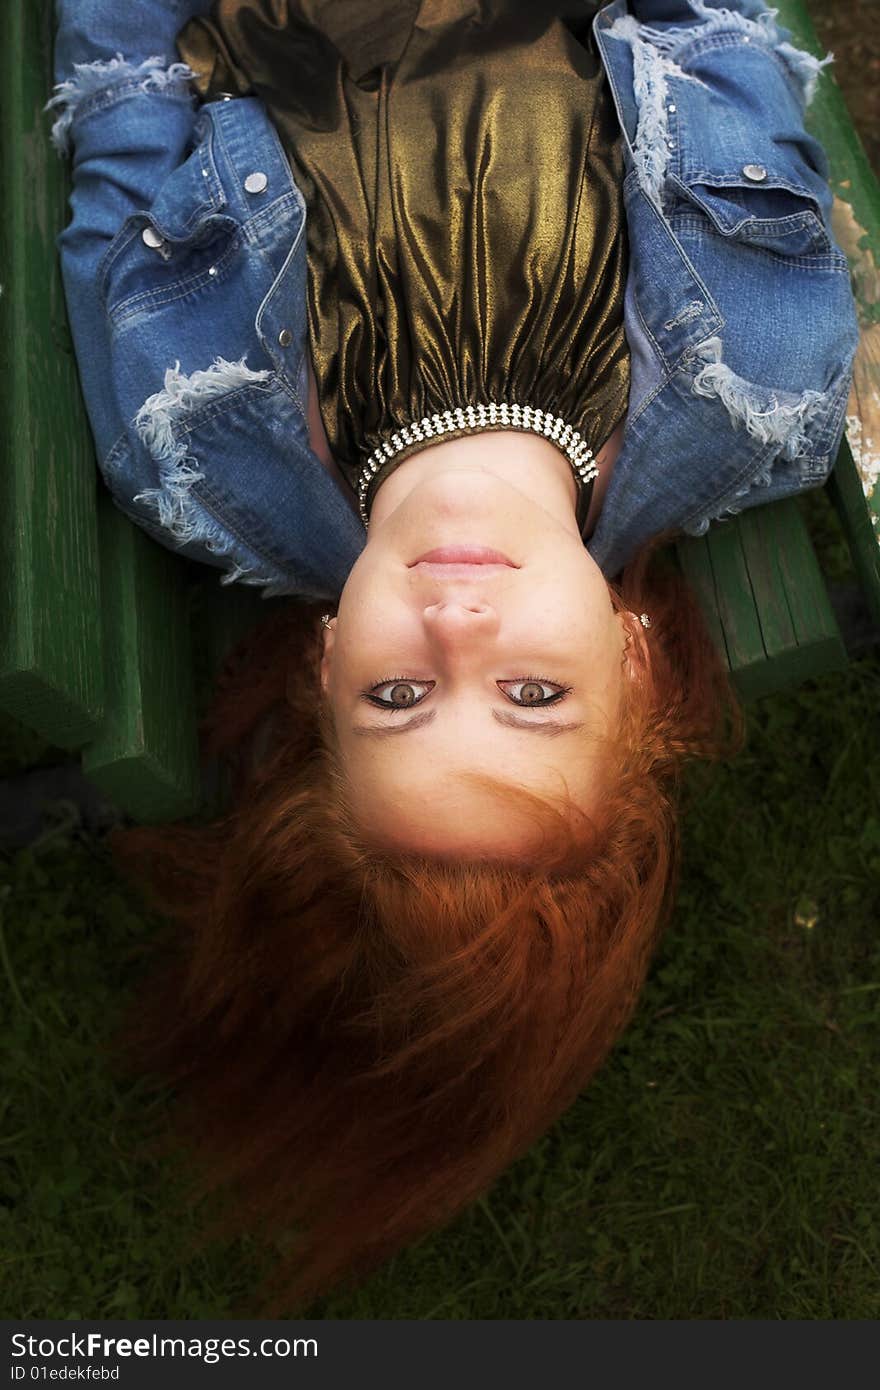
(865, 450)
(863, 409)
(855, 243)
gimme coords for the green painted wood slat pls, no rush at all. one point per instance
(50, 644)
(95, 649)
(758, 581)
(145, 758)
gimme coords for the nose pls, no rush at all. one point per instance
(460, 623)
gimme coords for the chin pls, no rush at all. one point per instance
(457, 489)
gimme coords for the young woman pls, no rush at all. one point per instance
(565, 286)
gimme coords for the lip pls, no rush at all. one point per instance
(460, 555)
(455, 574)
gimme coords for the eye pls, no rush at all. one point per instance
(533, 690)
(397, 692)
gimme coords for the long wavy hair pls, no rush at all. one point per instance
(359, 1041)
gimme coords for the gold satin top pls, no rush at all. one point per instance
(461, 166)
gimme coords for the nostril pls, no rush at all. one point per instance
(461, 613)
(477, 609)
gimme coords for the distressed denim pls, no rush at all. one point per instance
(186, 290)
(739, 312)
(186, 299)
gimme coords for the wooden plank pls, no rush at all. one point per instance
(816, 645)
(51, 675)
(794, 611)
(846, 492)
(759, 530)
(692, 553)
(94, 637)
(801, 579)
(736, 602)
(758, 582)
(145, 757)
(716, 567)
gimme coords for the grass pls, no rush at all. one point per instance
(723, 1165)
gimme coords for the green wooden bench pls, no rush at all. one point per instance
(102, 631)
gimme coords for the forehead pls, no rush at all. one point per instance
(431, 802)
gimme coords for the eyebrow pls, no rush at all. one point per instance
(550, 728)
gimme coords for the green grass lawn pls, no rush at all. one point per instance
(723, 1165)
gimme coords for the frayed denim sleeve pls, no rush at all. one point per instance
(124, 110)
(99, 85)
(122, 106)
(95, 31)
(105, 50)
(662, 33)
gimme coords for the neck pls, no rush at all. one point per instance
(605, 463)
(526, 461)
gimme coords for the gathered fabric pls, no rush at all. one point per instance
(462, 168)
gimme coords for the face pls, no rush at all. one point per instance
(433, 669)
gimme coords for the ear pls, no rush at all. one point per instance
(329, 636)
(637, 649)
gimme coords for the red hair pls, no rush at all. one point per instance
(361, 1041)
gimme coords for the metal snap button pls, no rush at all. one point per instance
(224, 96)
(756, 172)
(150, 237)
(285, 337)
(256, 182)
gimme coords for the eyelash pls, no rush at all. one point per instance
(516, 680)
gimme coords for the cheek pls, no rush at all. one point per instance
(366, 606)
(614, 687)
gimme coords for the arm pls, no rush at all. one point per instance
(125, 112)
(182, 292)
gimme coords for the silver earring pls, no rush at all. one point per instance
(644, 620)
(325, 620)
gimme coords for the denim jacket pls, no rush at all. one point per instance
(184, 268)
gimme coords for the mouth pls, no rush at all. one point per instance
(460, 555)
(448, 573)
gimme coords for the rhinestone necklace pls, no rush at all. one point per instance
(495, 415)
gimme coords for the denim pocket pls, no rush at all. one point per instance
(182, 243)
(767, 211)
(145, 268)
